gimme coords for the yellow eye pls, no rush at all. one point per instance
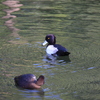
(48, 38)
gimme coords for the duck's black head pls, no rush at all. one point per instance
(50, 39)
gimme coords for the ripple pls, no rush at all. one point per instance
(91, 68)
(35, 64)
(17, 38)
(32, 93)
(73, 71)
(47, 89)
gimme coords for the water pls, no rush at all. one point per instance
(76, 25)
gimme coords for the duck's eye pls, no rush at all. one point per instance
(48, 38)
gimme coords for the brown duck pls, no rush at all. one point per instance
(29, 81)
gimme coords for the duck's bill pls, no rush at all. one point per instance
(44, 43)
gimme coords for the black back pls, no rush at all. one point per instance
(62, 51)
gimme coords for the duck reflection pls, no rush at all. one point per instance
(10, 23)
(38, 93)
(51, 59)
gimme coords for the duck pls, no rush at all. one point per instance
(53, 48)
(29, 81)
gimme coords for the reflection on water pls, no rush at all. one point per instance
(50, 61)
(36, 93)
(55, 60)
(10, 23)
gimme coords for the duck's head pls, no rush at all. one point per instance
(40, 80)
(38, 83)
(50, 39)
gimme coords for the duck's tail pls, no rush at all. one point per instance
(16, 80)
(67, 53)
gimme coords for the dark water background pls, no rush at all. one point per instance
(23, 27)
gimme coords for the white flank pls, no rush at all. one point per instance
(51, 49)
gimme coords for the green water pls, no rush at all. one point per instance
(76, 25)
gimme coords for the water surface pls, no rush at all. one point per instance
(76, 25)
